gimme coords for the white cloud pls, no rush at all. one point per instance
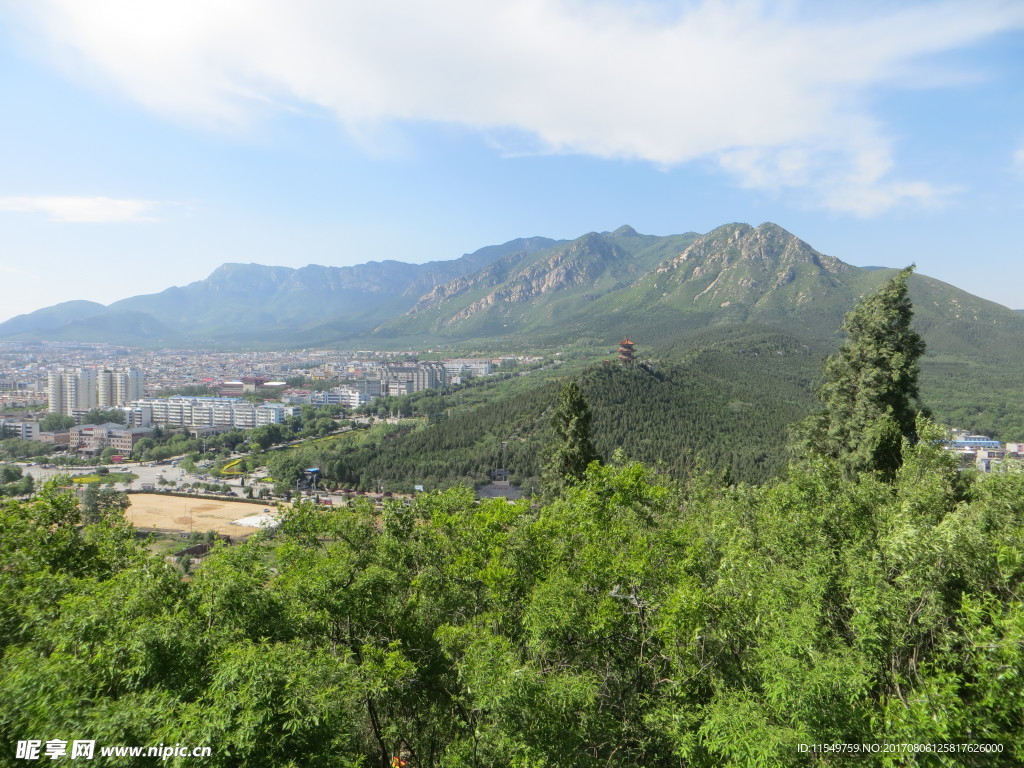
(1018, 158)
(777, 97)
(82, 209)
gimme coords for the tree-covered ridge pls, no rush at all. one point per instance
(451, 447)
(726, 408)
(631, 622)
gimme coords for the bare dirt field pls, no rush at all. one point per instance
(180, 513)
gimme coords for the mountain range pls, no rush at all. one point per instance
(534, 292)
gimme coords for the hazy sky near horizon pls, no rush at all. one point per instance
(145, 143)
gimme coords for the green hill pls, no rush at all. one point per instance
(726, 406)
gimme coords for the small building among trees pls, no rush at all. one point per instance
(626, 352)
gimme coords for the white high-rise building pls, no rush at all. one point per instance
(83, 389)
(120, 386)
(72, 390)
(55, 392)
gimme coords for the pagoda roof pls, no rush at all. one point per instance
(626, 341)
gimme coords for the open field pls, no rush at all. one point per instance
(179, 513)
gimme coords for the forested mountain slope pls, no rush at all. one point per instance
(725, 408)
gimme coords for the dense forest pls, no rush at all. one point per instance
(721, 398)
(725, 409)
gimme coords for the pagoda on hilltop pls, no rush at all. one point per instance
(626, 352)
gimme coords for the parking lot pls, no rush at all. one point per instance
(147, 475)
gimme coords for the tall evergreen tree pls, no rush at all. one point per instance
(571, 451)
(870, 390)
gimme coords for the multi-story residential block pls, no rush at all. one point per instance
(71, 391)
(468, 366)
(398, 388)
(370, 388)
(297, 397)
(228, 412)
(420, 376)
(351, 397)
(23, 429)
(93, 438)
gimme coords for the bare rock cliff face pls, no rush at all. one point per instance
(574, 265)
(738, 263)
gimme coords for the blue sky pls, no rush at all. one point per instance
(143, 144)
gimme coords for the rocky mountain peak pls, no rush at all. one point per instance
(625, 231)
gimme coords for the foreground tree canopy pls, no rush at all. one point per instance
(628, 623)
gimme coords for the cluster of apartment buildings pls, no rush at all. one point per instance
(366, 381)
(72, 379)
(73, 391)
(380, 379)
(20, 394)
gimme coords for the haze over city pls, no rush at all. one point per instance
(145, 144)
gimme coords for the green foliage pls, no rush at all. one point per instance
(726, 406)
(952, 391)
(55, 422)
(870, 388)
(13, 482)
(104, 416)
(162, 445)
(726, 409)
(18, 449)
(98, 504)
(570, 451)
(628, 622)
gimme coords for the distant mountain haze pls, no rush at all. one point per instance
(537, 291)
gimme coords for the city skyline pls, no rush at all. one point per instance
(146, 145)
